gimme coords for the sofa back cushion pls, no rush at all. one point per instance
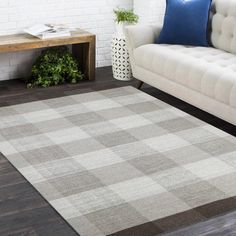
(223, 34)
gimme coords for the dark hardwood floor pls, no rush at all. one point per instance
(22, 209)
(224, 225)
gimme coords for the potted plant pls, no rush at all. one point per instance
(123, 18)
(53, 67)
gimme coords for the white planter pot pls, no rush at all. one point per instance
(120, 28)
(120, 59)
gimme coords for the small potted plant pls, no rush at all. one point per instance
(123, 18)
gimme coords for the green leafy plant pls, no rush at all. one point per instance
(123, 15)
(53, 67)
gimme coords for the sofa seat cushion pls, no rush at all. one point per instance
(209, 71)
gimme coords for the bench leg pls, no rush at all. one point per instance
(140, 84)
(91, 59)
(85, 53)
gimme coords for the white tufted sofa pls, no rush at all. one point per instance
(203, 77)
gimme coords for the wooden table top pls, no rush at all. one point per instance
(20, 42)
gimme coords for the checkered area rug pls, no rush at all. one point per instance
(117, 159)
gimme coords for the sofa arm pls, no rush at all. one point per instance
(138, 35)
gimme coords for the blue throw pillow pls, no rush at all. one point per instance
(186, 22)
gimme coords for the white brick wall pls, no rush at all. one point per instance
(93, 15)
(150, 11)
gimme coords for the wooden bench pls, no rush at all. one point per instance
(83, 47)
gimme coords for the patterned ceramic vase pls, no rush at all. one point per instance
(120, 59)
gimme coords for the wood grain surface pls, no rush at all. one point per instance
(20, 42)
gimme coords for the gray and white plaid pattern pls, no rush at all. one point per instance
(114, 159)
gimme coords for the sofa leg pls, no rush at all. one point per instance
(140, 84)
